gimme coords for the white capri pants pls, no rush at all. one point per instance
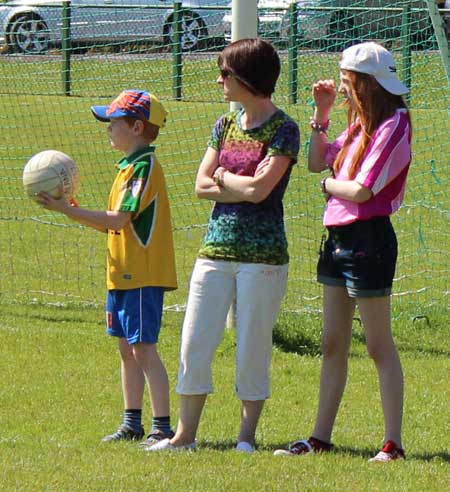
(258, 289)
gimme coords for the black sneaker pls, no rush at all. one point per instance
(154, 437)
(125, 433)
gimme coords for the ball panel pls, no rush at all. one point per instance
(48, 171)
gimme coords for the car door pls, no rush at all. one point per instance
(141, 22)
(93, 19)
(368, 19)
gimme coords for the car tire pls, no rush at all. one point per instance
(193, 31)
(28, 33)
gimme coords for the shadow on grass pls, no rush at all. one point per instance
(370, 452)
(225, 445)
(430, 351)
(297, 334)
(439, 456)
(301, 334)
(367, 453)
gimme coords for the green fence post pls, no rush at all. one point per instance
(293, 54)
(406, 44)
(66, 47)
(177, 52)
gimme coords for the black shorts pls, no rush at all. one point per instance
(360, 256)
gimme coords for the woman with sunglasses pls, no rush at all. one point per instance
(244, 257)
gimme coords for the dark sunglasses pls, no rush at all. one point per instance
(225, 73)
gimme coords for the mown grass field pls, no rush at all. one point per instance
(60, 394)
(60, 389)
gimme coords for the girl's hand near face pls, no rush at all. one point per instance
(324, 94)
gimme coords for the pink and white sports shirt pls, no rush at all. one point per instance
(383, 170)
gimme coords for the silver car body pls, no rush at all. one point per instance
(108, 20)
(335, 19)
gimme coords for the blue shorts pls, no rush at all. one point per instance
(135, 314)
(360, 256)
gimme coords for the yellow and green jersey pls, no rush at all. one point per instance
(142, 253)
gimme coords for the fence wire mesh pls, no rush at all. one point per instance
(61, 58)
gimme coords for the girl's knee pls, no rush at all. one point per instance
(380, 352)
(334, 346)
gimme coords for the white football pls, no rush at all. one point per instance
(51, 171)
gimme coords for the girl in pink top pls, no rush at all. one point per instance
(368, 165)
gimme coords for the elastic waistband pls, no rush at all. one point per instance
(360, 224)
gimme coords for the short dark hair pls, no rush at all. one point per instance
(254, 62)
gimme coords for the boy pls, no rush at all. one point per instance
(140, 261)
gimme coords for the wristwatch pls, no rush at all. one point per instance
(323, 185)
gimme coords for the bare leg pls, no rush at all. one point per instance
(376, 317)
(150, 364)
(133, 381)
(250, 413)
(338, 310)
(191, 407)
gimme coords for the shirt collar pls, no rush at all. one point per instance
(131, 159)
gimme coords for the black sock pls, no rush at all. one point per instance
(132, 418)
(162, 424)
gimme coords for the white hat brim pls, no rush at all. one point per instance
(393, 85)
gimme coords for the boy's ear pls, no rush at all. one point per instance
(139, 127)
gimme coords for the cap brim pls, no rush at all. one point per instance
(101, 113)
(394, 86)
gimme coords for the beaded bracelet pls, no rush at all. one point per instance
(319, 127)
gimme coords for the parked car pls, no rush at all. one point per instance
(272, 15)
(446, 18)
(33, 26)
(337, 22)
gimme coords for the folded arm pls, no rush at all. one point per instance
(206, 186)
(255, 188)
(347, 190)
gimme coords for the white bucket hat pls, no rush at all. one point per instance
(373, 59)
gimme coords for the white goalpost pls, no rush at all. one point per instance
(244, 24)
(441, 38)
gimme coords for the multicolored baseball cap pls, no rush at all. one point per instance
(137, 104)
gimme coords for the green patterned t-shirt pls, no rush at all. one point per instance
(251, 232)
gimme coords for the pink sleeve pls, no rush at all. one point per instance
(388, 155)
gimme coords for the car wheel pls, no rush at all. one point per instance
(28, 34)
(342, 31)
(193, 31)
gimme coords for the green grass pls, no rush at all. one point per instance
(61, 394)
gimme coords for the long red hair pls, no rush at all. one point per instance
(372, 105)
